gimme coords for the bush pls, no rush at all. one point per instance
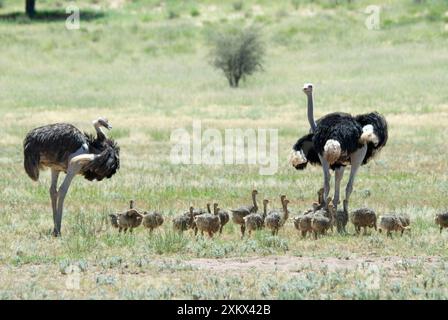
(238, 54)
(195, 12)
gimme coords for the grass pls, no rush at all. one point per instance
(144, 65)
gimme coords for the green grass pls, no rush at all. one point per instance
(145, 67)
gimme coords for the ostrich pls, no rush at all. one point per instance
(337, 140)
(63, 148)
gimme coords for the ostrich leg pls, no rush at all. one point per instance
(327, 177)
(339, 173)
(54, 192)
(75, 165)
(356, 158)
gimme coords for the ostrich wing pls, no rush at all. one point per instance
(104, 165)
(379, 124)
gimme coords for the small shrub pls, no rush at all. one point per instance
(238, 54)
(238, 5)
(195, 12)
(296, 4)
(172, 14)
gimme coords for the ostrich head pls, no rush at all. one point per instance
(103, 122)
(308, 88)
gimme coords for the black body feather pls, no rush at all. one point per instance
(347, 130)
(379, 124)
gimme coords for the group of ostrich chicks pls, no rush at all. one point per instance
(316, 220)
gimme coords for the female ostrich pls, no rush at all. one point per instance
(337, 140)
(62, 147)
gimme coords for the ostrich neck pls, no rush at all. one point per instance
(311, 112)
(99, 131)
(285, 211)
(265, 210)
(254, 200)
(208, 208)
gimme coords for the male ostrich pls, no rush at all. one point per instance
(62, 147)
(337, 140)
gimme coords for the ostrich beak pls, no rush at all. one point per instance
(108, 126)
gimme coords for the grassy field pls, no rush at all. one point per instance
(144, 65)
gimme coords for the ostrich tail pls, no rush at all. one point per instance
(31, 163)
(368, 135)
(332, 151)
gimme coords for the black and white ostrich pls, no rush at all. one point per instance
(337, 140)
(63, 148)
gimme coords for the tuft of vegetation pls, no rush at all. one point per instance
(195, 12)
(238, 54)
(238, 5)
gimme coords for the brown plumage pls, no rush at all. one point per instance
(208, 222)
(319, 224)
(275, 219)
(342, 220)
(184, 221)
(363, 218)
(323, 219)
(114, 220)
(239, 213)
(392, 222)
(152, 220)
(198, 212)
(442, 220)
(255, 221)
(129, 220)
(223, 216)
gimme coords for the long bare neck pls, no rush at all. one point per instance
(208, 208)
(309, 97)
(254, 200)
(285, 211)
(99, 131)
(265, 209)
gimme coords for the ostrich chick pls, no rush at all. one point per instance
(239, 214)
(303, 223)
(129, 220)
(442, 220)
(209, 223)
(363, 218)
(391, 223)
(320, 224)
(275, 220)
(184, 221)
(255, 221)
(224, 217)
(152, 220)
(342, 219)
